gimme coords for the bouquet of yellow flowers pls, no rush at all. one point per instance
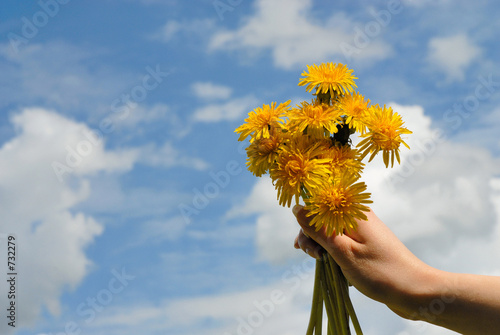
(308, 154)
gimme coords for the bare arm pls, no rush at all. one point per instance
(377, 263)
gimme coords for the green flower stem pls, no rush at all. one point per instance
(327, 298)
(330, 330)
(337, 298)
(350, 310)
(315, 321)
(304, 193)
(319, 311)
(336, 314)
(336, 277)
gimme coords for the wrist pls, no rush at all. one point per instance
(424, 296)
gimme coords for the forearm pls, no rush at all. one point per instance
(468, 304)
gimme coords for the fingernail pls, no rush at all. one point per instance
(296, 209)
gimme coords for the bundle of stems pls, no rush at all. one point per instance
(331, 289)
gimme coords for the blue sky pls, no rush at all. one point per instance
(126, 188)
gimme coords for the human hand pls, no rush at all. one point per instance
(372, 259)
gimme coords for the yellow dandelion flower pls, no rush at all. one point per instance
(261, 120)
(343, 159)
(297, 166)
(355, 108)
(319, 120)
(263, 152)
(385, 130)
(337, 207)
(328, 77)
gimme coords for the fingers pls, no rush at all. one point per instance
(308, 245)
(309, 231)
(303, 220)
(336, 245)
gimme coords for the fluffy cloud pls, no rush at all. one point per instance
(208, 90)
(425, 3)
(276, 225)
(56, 73)
(452, 55)
(173, 29)
(219, 105)
(168, 156)
(282, 306)
(230, 110)
(37, 206)
(279, 307)
(145, 115)
(288, 30)
(169, 30)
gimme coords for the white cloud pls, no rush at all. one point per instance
(174, 28)
(279, 307)
(169, 30)
(36, 206)
(58, 74)
(140, 119)
(208, 90)
(452, 55)
(143, 114)
(276, 225)
(230, 110)
(157, 2)
(226, 109)
(282, 306)
(425, 3)
(169, 229)
(168, 156)
(289, 30)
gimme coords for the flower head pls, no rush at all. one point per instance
(355, 108)
(262, 120)
(342, 159)
(263, 152)
(337, 207)
(385, 130)
(328, 77)
(318, 120)
(297, 167)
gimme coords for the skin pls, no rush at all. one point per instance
(378, 264)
